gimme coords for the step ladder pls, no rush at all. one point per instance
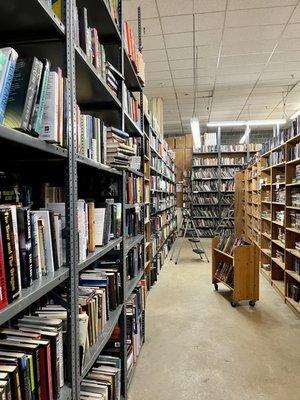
(188, 225)
(228, 215)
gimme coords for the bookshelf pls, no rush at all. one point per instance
(241, 274)
(81, 177)
(163, 201)
(213, 186)
(273, 205)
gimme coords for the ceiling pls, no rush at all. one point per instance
(249, 58)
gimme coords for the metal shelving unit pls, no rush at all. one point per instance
(38, 32)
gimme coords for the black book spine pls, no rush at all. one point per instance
(54, 244)
(9, 253)
(83, 29)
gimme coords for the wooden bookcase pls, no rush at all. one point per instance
(246, 272)
(275, 187)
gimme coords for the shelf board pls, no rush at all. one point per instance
(31, 19)
(131, 242)
(293, 230)
(293, 274)
(279, 286)
(279, 165)
(131, 127)
(225, 255)
(279, 243)
(278, 262)
(278, 223)
(266, 219)
(99, 252)
(65, 393)
(205, 166)
(25, 146)
(93, 352)
(266, 202)
(224, 283)
(39, 288)
(293, 184)
(293, 139)
(132, 80)
(293, 207)
(134, 171)
(278, 203)
(293, 162)
(293, 304)
(132, 283)
(266, 274)
(94, 164)
(266, 252)
(266, 235)
(294, 252)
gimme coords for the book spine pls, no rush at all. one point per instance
(37, 126)
(49, 130)
(3, 283)
(7, 83)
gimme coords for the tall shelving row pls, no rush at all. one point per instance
(38, 32)
(271, 209)
(163, 202)
(213, 187)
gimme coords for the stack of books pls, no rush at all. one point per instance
(118, 154)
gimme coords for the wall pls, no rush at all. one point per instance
(183, 148)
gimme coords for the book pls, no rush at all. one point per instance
(8, 60)
(25, 246)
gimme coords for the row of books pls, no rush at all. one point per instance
(275, 141)
(209, 139)
(227, 200)
(225, 273)
(294, 152)
(131, 106)
(296, 265)
(293, 291)
(158, 183)
(31, 246)
(206, 212)
(133, 223)
(297, 174)
(228, 173)
(277, 157)
(161, 204)
(295, 197)
(134, 261)
(160, 166)
(133, 52)
(233, 160)
(122, 152)
(32, 354)
(159, 220)
(161, 147)
(295, 219)
(204, 223)
(228, 244)
(205, 161)
(240, 147)
(206, 149)
(205, 199)
(279, 195)
(206, 187)
(227, 186)
(203, 173)
(206, 232)
(97, 224)
(227, 223)
(134, 193)
(33, 96)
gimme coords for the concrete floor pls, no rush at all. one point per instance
(200, 348)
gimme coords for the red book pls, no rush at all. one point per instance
(3, 290)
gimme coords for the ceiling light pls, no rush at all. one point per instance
(226, 123)
(263, 122)
(245, 135)
(295, 115)
(195, 127)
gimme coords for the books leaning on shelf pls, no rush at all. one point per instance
(293, 292)
(225, 273)
(228, 244)
(134, 261)
(97, 225)
(131, 106)
(132, 50)
(32, 96)
(134, 193)
(103, 381)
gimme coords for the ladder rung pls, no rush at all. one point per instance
(194, 240)
(198, 251)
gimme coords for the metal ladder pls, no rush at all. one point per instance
(188, 225)
(228, 215)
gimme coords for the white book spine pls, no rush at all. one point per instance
(50, 119)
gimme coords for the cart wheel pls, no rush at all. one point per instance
(233, 304)
(251, 303)
(216, 286)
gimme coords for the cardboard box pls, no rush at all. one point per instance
(171, 143)
(189, 141)
(188, 158)
(179, 199)
(180, 142)
(180, 159)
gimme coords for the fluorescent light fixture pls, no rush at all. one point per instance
(245, 135)
(265, 122)
(258, 122)
(226, 123)
(295, 115)
(195, 127)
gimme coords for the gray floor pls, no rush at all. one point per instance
(200, 348)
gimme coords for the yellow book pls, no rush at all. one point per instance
(57, 8)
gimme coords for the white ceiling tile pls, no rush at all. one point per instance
(176, 40)
(208, 37)
(288, 44)
(293, 77)
(248, 4)
(148, 8)
(180, 53)
(160, 75)
(177, 24)
(244, 59)
(209, 21)
(292, 31)
(153, 42)
(239, 69)
(235, 78)
(150, 27)
(262, 16)
(182, 73)
(157, 66)
(296, 15)
(252, 46)
(155, 55)
(160, 83)
(244, 33)
(283, 66)
(283, 56)
(208, 51)
(176, 8)
(205, 6)
(181, 64)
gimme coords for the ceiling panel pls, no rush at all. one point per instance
(176, 8)
(157, 66)
(236, 78)
(177, 24)
(284, 56)
(205, 6)
(153, 42)
(288, 44)
(252, 46)
(244, 59)
(130, 8)
(259, 16)
(296, 15)
(255, 33)
(207, 37)
(292, 31)
(248, 4)
(160, 75)
(209, 21)
(180, 53)
(179, 40)
(239, 69)
(154, 55)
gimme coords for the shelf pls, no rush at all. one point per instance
(132, 80)
(278, 262)
(39, 288)
(93, 352)
(266, 274)
(293, 230)
(293, 184)
(134, 171)
(266, 236)
(293, 139)
(65, 393)
(24, 146)
(293, 274)
(279, 286)
(266, 252)
(293, 162)
(278, 223)
(199, 217)
(279, 243)
(278, 203)
(31, 19)
(207, 179)
(293, 304)
(224, 283)
(132, 283)
(131, 127)
(294, 252)
(94, 164)
(131, 242)
(266, 219)
(225, 255)
(293, 207)
(265, 202)
(99, 252)
(205, 166)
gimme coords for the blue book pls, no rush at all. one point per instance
(8, 60)
(119, 132)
